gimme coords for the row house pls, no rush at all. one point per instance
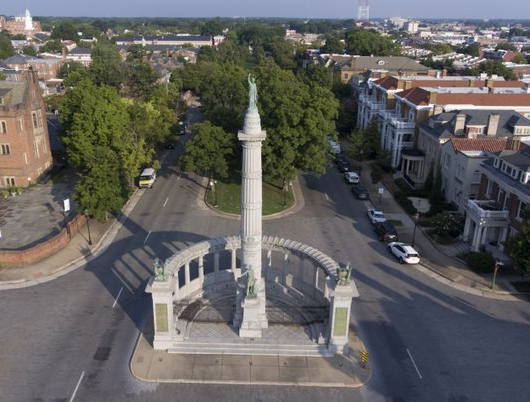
(25, 152)
(46, 68)
(463, 139)
(417, 160)
(504, 193)
(399, 128)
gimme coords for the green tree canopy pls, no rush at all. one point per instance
(6, 49)
(106, 66)
(52, 46)
(297, 119)
(369, 42)
(65, 31)
(208, 151)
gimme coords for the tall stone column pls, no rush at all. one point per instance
(251, 298)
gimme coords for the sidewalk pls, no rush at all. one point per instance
(437, 261)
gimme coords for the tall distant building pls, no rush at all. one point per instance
(20, 25)
(363, 11)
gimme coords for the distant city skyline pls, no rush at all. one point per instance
(448, 9)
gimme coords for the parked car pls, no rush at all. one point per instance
(339, 158)
(404, 253)
(360, 192)
(376, 216)
(169, 145)
(351, 177)
(386, 232)
(344, 166)
(334, 147)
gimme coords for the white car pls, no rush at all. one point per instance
(376, 216)
(351, 177)
(404, 253)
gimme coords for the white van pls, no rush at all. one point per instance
(147, 178)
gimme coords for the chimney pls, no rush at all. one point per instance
(444, 72)
(432, 97)
(513, 143)
(63, 51)
(401, 84)
(490, 85)
(460, 123)
(493, 124)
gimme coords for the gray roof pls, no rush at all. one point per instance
(176, 38)
(18, 59)
(391, 63)
(80, 50)
(444, 122)
(14, 92)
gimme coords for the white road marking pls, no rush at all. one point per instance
(116, 301)
(146, 237)
(326, 194)
(178, 178)
(77, 386)
(167, 199)
(414, 363)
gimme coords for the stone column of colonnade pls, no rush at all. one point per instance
(251, 299)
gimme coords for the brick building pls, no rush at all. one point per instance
(24, 143)
(20, 25)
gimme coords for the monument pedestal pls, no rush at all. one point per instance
(251, 326)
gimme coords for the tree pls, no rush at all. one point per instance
(139, 80)
(65, 31)
(208, 151)
(6, 50)
(105, 67)
(96, 134)
(356, 146)
(492, 67)
(506, 46)
(369, 42)
(472, 50)
(332, 45)
(518, 246)
(519, 59)
(224, 96)
(29, 50)
(297, 118)
(52, 46)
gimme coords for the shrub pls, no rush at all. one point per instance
(376, 174)
(446, 224)
(405, 203)
(481, 262)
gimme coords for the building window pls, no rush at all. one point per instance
(3, 127)
(447, 161)
(19, 126)
(34, 117)
(9, 181)
(520, 210)
(488, 188)
(475, 178)
(5, 149)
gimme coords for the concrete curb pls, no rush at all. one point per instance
(298, 204)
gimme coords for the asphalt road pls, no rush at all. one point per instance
(71, 339)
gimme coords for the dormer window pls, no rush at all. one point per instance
(474, 130)
(506, 168)
(496, 163)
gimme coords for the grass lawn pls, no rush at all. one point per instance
(229, 195)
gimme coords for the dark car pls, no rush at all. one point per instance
(360, 192)
(169, 145)
(386, 232)
(339, 158)
(344, 167)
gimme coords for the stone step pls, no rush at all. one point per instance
(261, 349)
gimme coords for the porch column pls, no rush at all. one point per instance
(187, 273)
(484, 238)
(476, 238)
(502, 237)
(216, 264)
(201, 270)
(467, 228)
(233, 260)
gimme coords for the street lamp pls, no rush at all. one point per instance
(416, 217)
(212, 186)
(285, 192)
(87, 215)
(498, 263)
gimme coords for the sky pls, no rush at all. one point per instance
(454, 9)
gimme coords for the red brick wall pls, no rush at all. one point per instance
(45, 249)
